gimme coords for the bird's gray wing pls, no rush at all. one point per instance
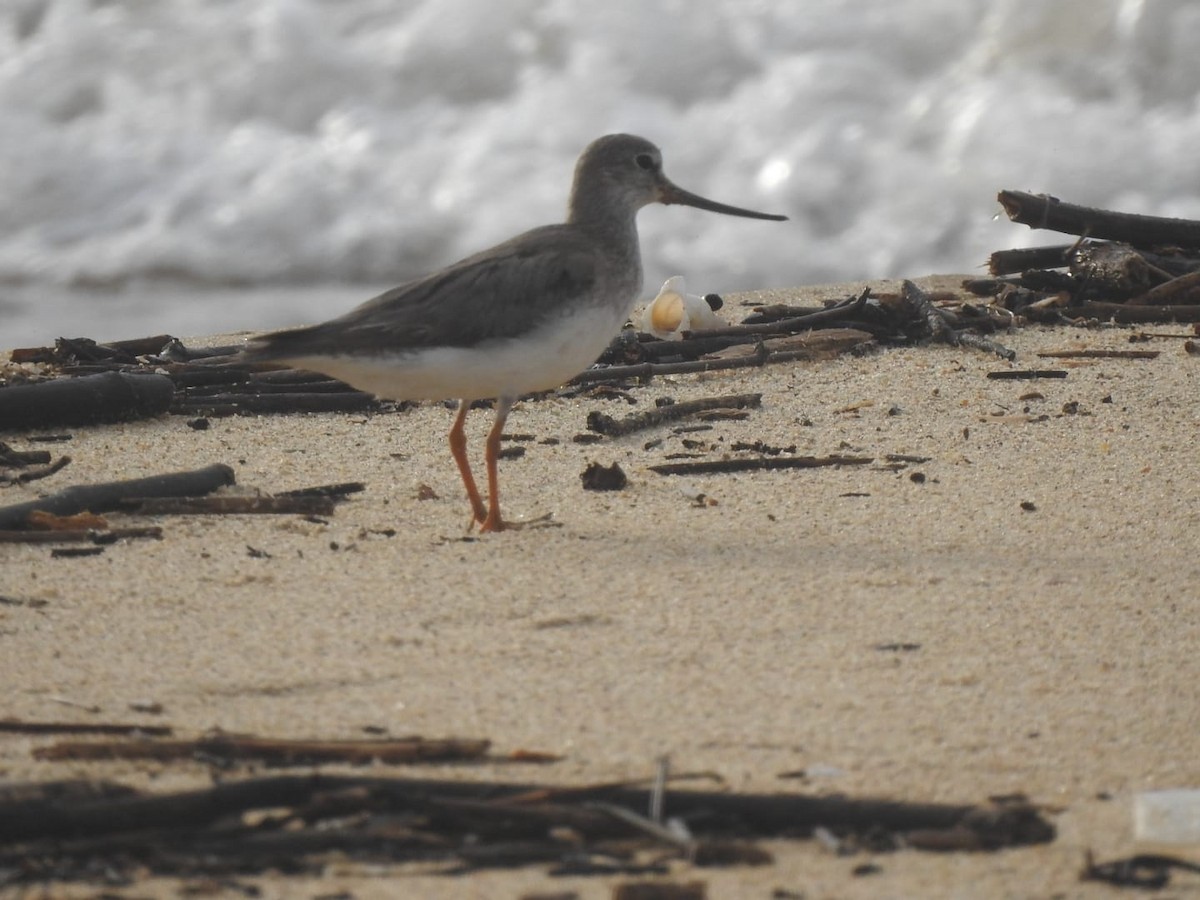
(501, 292)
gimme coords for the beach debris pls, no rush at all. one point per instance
(1025, 374)
(271, 752)
(603, 478)
(1124, 267)
(297, 823)
(675, 311)
(660, 890)
(86, 400)
(23, 726)
(1098, 354)
(110, 495)
(1145, 871)
(1168, 818)
(610, 427)
(757, 463)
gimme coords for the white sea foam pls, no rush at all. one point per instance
(274, 142)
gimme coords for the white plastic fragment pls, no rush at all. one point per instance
(675, 311)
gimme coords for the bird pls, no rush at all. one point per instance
(526, 315)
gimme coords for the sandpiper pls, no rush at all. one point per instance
(524, 316)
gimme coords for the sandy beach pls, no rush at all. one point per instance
(1039, 570)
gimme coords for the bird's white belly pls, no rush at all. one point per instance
(537, 361)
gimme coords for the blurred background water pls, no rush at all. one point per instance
(228, 164)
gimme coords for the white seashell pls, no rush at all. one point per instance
(675, 311)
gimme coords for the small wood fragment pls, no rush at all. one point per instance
(230, 506)
(110, 495)
(1098, 354)
(752, 464)
(607, 425)
(272, 751)
(22, 726)
(1026, 374)
(1182, 290)
(95, 536)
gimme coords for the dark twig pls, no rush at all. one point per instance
(940, 330)
(1025, 374)
(475, 807)
(230, 506)
(1126, 314)
(110, 495)
(42, 472)
(758, 463)
(106, 397)
(1183, 289)
(18, 726)
(80, 535)
(272, 751)
(1009, 262)
(1099, 354)
(607, 425)
(1044, 211)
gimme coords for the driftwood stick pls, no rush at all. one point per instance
(80, 535)
(229, 506)
(938, 326)
(607, 425)
(272, 751)
(1025, 374)
(41, 472)
(1127, 314)
(18, 459)
(1021, 259)
(107, 397)
(834, 314)
(1044, 211)
(109, 495)
(20, 726)
(758, 463)
(1099, 354)
(26, 820)
(1184, 289)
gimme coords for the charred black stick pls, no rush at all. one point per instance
(110, 495)
(1021, 259)
(939, 328)
(1026, 374)
(20, 726)
(607, 425)
(107, 397)
(229, 506)
(1181, 290)
(273, 752)
(1044, 211)
(837, 313)
(336, 491)
(80, 535)
(42, 472)
(18, 459)
(758, 463)
(756, 814)
(1099, 354)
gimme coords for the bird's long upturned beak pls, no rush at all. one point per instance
(670, 193)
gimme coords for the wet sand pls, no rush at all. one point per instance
(1045, 567)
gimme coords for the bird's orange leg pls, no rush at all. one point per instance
(494, 522)
(458, 449)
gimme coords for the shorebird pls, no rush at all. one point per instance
(526, 315)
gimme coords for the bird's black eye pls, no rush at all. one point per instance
(645, 161)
